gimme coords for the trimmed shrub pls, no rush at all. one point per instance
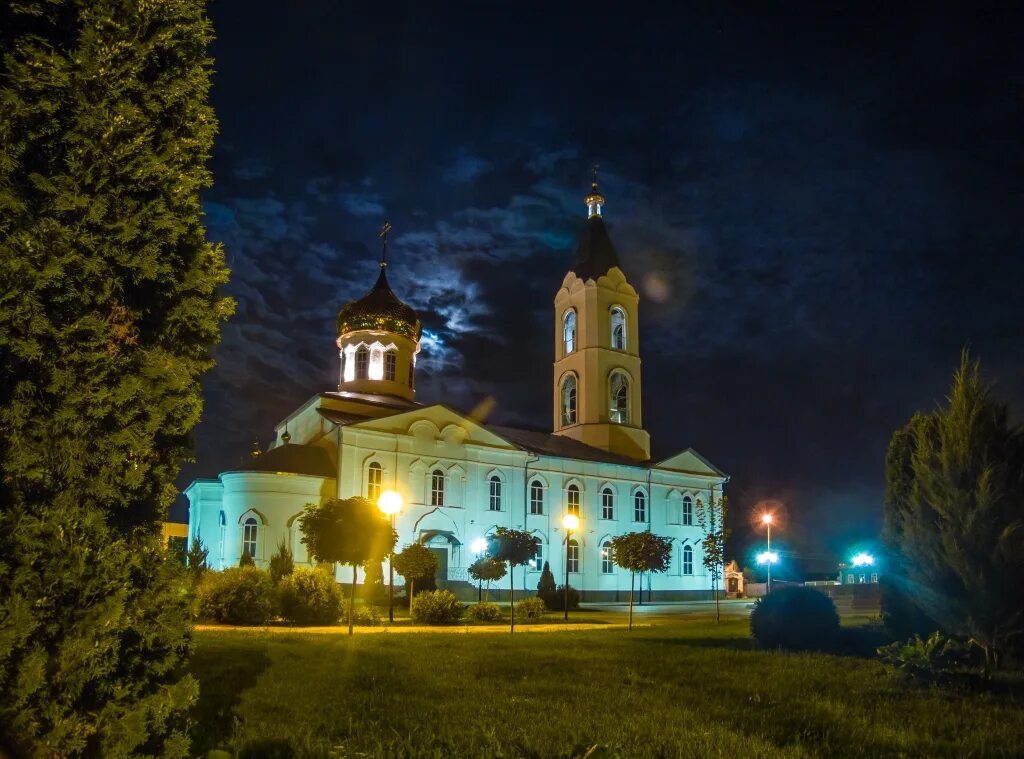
(936, 659)
(362, 616)
(236, 596)
(795, 618)
(310, 597)
(555, 599)
(436, 607)
(531, 609)
(485, 612)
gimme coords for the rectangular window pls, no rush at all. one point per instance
(607, 560)
(536, 498)
(437, 488)
(389, 366)
(687, 561)
(874, 577)
(362, 363)
(572, 500)
(687, 510)
(537, 562)
(639, 507)
(374, 479)
(495, 494)
(574, 557)
(607, 504)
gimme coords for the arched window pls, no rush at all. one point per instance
(687, 560)
(389, 366)
(569, 400)
(639, 506)
(572, 499)
(607, 558)
(495, 493)
(362, 362)
(250, 531)
(569, 331)
(374, 481)
(536, 497)
(618, 329)
(437, 488)
(618, 398)
(687, 510)
(537, 562)
(607, 504)
(573, 557)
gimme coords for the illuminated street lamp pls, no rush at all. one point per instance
(479, 546)
(570, 522)
(766, 520)
(390, 503)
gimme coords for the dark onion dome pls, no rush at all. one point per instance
(381, 311)
(595, 255)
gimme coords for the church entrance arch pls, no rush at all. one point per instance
(447, 548)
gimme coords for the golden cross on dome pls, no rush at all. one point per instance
(593, 184)
(384, 248)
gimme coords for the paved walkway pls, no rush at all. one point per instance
(449, 629)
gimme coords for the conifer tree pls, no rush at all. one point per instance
(955, 515)
(109, 306)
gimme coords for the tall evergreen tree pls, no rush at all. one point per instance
(109, 306)
(955, 515)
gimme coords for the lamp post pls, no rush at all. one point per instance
(479, 546)
(766, 520)
(390, 502)
(570, 522)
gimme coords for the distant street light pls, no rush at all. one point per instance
(863, 560)
(770, 558)
(390, 503)
(479, 546)
(570, 522)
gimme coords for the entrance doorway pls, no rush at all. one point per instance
(441, 575)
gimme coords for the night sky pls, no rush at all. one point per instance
(819, 210)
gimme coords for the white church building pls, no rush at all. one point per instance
(460, 478)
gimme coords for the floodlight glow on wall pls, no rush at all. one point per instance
(767, 557)
(863, 560)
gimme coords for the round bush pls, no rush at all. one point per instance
(310, 597)
(362, 616)
(236, 596)
(555, 599)
(485, 612)
(531, 610)
(795, 618)
(436, 607)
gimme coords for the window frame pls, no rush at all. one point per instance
(569, 332)
(390, 366)
(568, 400)
(687, 561)
(374, 471)
(640, 506)
(494, 494)
(437, 490)
(572, 556)
(619, 413)
(254, 524)
(536, 503)
(621, 313)
(607, 558)
(573, 503)
(607, 503)
(362, 363)
(687, 510)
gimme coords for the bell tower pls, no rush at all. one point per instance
(596, 388)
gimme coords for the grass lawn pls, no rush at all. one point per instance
(689, 688)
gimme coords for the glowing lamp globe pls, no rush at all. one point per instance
(570, 521)
(390, 502)
(767, 519)
(479, 545)
(767, 557)
(863, 560)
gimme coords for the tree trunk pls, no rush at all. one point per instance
(487, 593)
(718, 610)
(352, 599)
(511, 601)
(632, 582)
(412, 587)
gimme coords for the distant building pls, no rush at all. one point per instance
(854, 574)
(461, 478)
(733, 580)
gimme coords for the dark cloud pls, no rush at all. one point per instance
(819, 207)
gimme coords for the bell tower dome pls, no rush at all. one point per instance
(596, 388)
(378, 340)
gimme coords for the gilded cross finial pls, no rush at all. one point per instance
(593, 184)
(384, 247)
